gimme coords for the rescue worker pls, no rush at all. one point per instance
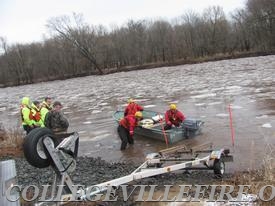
(55, 119)
(26, 115)
(36, 115)
(45, 108)
(126, 129)
(173, 117)
(132, 108)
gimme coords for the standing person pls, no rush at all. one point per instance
(45, 108)
(173, 117)
(26, 115)
(126, 129)
(55, 119)
(36, 115)
(132, 108)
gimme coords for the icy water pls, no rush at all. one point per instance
(201, 91)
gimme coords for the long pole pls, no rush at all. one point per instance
(163, 131)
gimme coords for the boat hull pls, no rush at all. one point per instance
(188, 129)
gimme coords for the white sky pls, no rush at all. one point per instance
(24, 21)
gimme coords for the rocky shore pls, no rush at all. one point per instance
(91, 171)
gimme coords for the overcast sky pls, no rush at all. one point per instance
(24, 21)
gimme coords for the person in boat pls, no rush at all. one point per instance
(132, 108)
(45, 108)
(55, 120)
(26, 115)
(36, 115)
(126, 128)
(173, 117)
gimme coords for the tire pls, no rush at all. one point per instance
(34, 150)
(219, 167)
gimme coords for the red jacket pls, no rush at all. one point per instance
(132, 108)
(129, 122)
(174, 118)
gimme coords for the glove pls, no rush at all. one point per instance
(131, 133)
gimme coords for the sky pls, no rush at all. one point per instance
(24, 21)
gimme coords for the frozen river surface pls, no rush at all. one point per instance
(202, 91)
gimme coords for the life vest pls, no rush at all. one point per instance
(36, 116)
(132, 108)
(30, 115)
(128, 122)
(44, 104)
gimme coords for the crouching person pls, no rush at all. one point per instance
(126, 129)
(173, 117)
(55, 119)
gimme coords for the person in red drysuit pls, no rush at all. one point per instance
(173, 117)
(132, 108)
(126, 129)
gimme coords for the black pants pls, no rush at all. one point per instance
(124, 136)
(167, 127)
(27, 128)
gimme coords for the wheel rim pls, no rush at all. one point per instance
(222, 168)
(40, 148)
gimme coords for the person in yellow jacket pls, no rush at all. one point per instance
(45, 108)
(36, 115)
(26, 115)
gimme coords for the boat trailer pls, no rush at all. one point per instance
(62, 158)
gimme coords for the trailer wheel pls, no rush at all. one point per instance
(219, 167)
(34, 149)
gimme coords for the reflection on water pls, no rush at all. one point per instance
(201, 91)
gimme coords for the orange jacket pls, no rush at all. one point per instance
(132, 108)
(129, 122)
(174, 118)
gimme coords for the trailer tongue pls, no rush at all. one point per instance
(62, 159)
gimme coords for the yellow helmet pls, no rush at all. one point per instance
(131, 100)
(138, 114)
(173, 106)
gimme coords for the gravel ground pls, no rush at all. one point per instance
(91, 171)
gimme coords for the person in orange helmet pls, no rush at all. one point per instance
(173, 117)
(132, 108)
(126, 129)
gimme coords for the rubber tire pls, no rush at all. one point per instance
(29, 147)
(218, 166)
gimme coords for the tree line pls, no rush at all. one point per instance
(76, 48)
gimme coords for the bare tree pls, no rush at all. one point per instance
(79, 35)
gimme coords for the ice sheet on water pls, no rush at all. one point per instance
(100, 137)
(96, 111)
(236, 107)
(2, 109)
(267, 125)
(222, 115)
(103, 104)
(200, 104)
(214, 103)
(264, 116)
(87, 122)
(204, 96)
(149, 106)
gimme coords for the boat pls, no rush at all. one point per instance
(152, 126)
